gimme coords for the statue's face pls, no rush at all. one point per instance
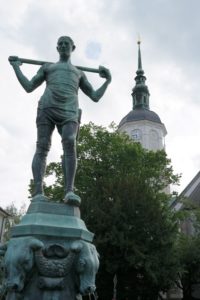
(64, 47)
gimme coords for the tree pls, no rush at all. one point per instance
(15, 218)
(16, 215)
(188, 247)
(123, 202)
(190, 263)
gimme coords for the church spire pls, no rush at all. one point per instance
(140, 92)
(139, 58)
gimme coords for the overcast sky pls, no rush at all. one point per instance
(105, 33)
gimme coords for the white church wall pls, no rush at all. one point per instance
(149, 134)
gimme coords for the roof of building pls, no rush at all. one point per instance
(192, 190)
(140, 114)
(4, 213)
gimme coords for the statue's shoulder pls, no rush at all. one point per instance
(77, 70)
(47, 65)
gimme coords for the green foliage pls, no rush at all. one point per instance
(16, 215)
(189, 254)
(188, 247)
(123, 201)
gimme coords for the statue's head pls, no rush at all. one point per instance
(65, 45)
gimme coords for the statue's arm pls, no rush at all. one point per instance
(87, 88)
(28, 85)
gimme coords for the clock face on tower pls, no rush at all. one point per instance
(136, 135)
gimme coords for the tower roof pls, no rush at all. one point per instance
(140, 95)
(140, 114)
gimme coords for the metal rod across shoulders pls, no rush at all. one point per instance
(39, 62)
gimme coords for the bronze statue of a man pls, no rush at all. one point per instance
(58, 107)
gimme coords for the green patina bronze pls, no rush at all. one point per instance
(50, 254)
(53, 268)
(40, 62)
(59, 107)
(52, 220)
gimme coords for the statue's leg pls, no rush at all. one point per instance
(64, 172)
(69, 133)
(44, 133)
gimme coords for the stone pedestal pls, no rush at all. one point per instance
(52, 219)
(50, 254)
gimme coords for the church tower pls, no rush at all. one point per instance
(142, 124)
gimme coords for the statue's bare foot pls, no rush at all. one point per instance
(72, 199)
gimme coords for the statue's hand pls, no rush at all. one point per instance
(105, 73)
(14, 61)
